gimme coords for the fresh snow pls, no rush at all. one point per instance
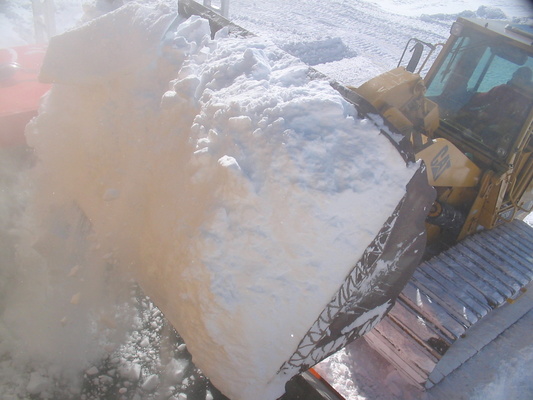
(54, 339)
(239, 192)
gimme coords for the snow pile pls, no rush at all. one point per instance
(236, 190)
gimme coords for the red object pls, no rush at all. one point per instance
(20, 91)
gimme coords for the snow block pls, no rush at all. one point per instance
(268, 222)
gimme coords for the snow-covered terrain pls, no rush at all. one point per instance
(348, 40)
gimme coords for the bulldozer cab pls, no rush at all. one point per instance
(470, 120)
(482, 85)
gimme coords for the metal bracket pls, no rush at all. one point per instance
(222, 9)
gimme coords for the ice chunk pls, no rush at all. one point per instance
(130, 371)
(150, 383)
(175, 370)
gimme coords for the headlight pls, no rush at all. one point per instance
(456, 29)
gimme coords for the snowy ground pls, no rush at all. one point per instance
(350, 41)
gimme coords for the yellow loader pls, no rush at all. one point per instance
(470, 120)
(468, 117)
(469, 123)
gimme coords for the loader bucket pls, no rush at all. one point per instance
(223, 192)
(370, 290)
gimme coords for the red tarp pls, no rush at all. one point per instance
(20, 91)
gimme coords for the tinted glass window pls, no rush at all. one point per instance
(484, 90)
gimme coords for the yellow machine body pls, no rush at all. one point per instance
(470, 121)
(482, 169)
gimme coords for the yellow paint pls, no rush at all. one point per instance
(448, 166)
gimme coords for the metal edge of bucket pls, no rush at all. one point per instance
(371, 288)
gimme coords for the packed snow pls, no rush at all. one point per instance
(227, 180)
(55, 320)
